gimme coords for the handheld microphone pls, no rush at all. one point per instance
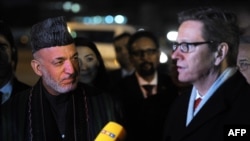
(112, 131)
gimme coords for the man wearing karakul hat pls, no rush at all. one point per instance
(57, 107)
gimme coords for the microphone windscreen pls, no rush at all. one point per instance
(112, 132)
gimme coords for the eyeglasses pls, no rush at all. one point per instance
(243, 65)
(188, 47)
(148, 52)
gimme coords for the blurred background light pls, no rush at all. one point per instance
(172, 35)
(67, 6)
(163, 58)
(97, 20)
(76, 8)
(120, 19)
(109, 19)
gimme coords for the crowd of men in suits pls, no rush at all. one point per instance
(148, 103)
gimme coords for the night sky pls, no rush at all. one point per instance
(159, 15)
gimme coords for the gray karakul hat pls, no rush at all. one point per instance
(50, 33)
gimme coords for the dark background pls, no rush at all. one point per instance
(158, 15)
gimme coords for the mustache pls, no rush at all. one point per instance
(146, 63)
(71, 76)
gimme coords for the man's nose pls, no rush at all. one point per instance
(69, 67)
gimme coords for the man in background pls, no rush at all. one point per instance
(122, 56)
(9, 84)
(146, 94)
(243, 59)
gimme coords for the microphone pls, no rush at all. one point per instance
(112, 131)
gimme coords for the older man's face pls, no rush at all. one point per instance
(58, 67)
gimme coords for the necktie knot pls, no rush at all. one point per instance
(197, 102)
(149, 89)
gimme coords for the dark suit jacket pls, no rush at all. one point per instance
(18, 86)
(229, 105)
(145, 116)
(115, 75)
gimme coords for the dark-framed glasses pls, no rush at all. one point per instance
(243, 65)
(188, 47)
(149, 52)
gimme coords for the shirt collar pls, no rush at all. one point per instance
(6, 90)
(127, 73)
(219, 81)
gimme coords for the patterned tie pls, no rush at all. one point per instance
(148, 89)
(196, 103)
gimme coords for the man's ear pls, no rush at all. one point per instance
(36, 66)
(221, 53)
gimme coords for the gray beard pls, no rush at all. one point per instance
(55, 85)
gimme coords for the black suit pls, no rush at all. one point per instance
(145, 116)
(228, 105)
(17, 86)
(115, 75)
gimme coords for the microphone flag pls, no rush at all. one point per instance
(112, 132)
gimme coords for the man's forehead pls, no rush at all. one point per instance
(187, 29)
(244, 46)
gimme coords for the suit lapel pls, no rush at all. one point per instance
(220, 102)
(136, 86)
